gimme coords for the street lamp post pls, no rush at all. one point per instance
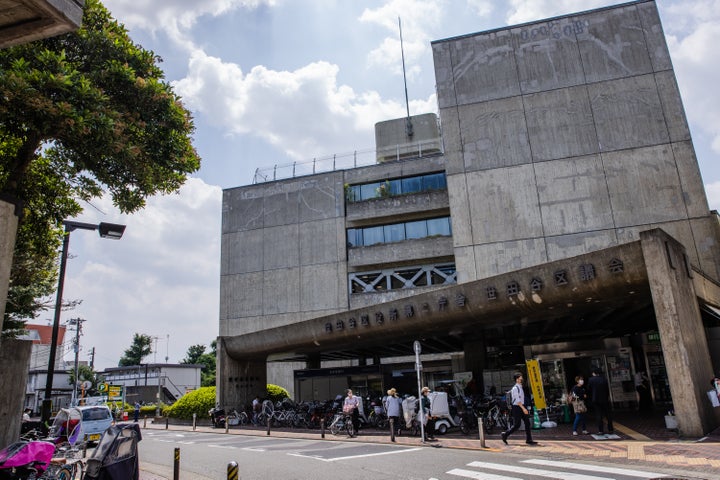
(106, 230)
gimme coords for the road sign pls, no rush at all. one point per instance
(115, 392)
(103, 388)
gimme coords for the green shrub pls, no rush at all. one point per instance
(198, 401)
(276, 393)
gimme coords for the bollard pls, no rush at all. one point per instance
(268, 425)
(145, 421)
(227, 425)
(232, 471)
(322, 428)
(194, 421)
(481, 429)
(392, 429)
(176, 465)
(167, 422)
(84, 450)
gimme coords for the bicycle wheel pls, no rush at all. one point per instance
(349, 427)
(67, 472)
(335, 426)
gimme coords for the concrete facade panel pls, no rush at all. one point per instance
(281, 291)
(321, 197)
(316, 292)
(547, 56)
(494, 134)
(418, 251)
(465, 264)
(497, 258)
(250, 243)
(573, 196)
(484, 68)
(654, 36)
(560, 124)
(705, 232)
(319, 242)
(612, 44)
(672, 106)
(680, 230)
(281, 207)
(390, 170)
(454, 160)
(644, 186)
(281, 247)
(242, 295)
(444, 82)
(458, 198)
(242, 209)
(692, 185)
(628, 113)
(501, 194)
(566, 246)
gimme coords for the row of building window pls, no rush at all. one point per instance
(397, 232)
(398, 186)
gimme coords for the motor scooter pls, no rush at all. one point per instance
(217, 417)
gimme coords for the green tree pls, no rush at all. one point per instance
(196, 355)
(141, 347)
(85, 373)
(81, 114)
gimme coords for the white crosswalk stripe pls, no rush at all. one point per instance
(538, 472)
(562, 471)
(595, 468)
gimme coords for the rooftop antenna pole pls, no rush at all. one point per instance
(408, 124)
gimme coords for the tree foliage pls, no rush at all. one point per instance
(82, 114)
(140, 348)
(87, 373)
(196, 355)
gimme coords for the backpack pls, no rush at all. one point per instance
(508, 398)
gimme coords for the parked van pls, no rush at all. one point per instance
(81, 424)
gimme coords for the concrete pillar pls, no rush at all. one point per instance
(9, 214)
(476, 361)
(682, 335)
(238, 381)
(15, 361)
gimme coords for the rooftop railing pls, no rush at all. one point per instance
(346, 161)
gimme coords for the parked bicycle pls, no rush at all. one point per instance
(342, 423)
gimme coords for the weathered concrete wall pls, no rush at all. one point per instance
(8, 231)
(278, 241)
(573, 128)
(238, 381)
(14, 358)
(682, 334)
(416, 250)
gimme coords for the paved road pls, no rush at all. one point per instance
(205, 454)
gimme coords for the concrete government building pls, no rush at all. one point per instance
(554, 211)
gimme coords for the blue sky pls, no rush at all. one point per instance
(280, 81)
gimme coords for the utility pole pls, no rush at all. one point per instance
(92, 359)
(78, 328)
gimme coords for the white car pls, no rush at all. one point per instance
(81, 424)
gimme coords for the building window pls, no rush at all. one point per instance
(405, 277)
(397, 232)
(394, 187)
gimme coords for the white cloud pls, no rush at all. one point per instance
(174, 17)
(522, 11)
(302, 112)
(161, 278)
(713, 195)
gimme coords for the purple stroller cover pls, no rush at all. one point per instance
(20, 454)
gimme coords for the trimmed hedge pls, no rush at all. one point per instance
(200, 401)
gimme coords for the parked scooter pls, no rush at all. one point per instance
(217, 417)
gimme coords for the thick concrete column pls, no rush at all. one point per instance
(9, 214)
(15, 361)
(475, 361)
(238, 381)
(682, 334)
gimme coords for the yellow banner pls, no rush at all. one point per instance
(536, 383)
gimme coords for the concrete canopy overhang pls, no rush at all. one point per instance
(23, 21)
(593, 296)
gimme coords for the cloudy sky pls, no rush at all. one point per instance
(271, 82)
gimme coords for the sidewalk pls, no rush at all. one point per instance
(640, 441)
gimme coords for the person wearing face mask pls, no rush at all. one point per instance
(578, 391)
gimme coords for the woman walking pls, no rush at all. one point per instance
(579, 397)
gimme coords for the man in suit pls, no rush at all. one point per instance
(600, 400)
